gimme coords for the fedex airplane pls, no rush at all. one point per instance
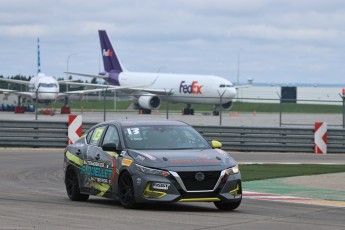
(150, 89)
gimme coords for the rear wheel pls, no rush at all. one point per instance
(72, 186)
(126, 191)
(227, 206)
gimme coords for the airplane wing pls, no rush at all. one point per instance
(88, 75)
(15, 81)
(128, 89)
(159, 92)
(15, 92)
(79, 92)
(241, 86)
(65, 82)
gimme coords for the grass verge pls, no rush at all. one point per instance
(270, 171)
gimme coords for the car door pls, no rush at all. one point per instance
(109, 158)
(92, 166)
(102, 164)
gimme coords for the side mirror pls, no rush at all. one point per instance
(216, 144)
(109, 147)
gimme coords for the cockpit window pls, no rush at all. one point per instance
(225, 86)
(48, 85)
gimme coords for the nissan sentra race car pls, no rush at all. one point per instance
(142, 161)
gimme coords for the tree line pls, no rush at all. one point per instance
(21, 87)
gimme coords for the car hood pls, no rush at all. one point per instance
(169, 159)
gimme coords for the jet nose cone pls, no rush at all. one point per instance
(230, 92)
(47, 94)
(51, 96)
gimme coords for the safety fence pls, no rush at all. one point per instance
(15, 133)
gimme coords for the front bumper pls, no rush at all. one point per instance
(177, 188)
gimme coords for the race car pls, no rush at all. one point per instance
(143, 161)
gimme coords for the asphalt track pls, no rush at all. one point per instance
(32, 196)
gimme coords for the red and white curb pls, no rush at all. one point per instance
(291, 199)
(267, 196)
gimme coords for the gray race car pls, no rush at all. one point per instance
(141, 161)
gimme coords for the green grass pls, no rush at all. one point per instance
(237, 106)
(270, 171)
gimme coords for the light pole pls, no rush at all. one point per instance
(37, 100)
(69, 56)
(167, 99)
(238, 71)
(220, 106)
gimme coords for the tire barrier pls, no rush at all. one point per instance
(11, 108)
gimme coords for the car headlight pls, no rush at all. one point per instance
(152, 171)
(232, 170)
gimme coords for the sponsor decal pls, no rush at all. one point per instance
(139, 157)
(98, 134)
(223, 153)
(193, 88)
(204, 156)
(99, 172)
(149, 156)
(126, 162)
(107, 53)
(161, 186)
(138, 181)
(194, 161)
(123, 153)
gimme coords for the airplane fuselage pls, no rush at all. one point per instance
(184, 88)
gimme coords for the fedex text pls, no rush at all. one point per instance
(193, 88)
(107, 53)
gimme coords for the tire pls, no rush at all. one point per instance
(72, 186)
(227, 206)
(126, 191)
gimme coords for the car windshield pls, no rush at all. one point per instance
(163, 137)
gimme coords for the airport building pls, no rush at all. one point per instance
(292, 94)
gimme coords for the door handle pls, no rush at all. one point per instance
(97, 157)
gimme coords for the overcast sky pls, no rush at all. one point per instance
(277, 41)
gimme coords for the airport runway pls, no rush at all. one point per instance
(229, 118)
(32, 196)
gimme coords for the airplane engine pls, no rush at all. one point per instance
(149, 102)
(227, 106)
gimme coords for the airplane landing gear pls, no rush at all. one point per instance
(188, 110)
(65, 109)
(144, 111)
(19, 108)
(216, 110)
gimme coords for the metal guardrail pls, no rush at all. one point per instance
(271, 139)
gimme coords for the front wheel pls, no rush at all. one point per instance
(72, 186)
(227, 206)
(126, 191)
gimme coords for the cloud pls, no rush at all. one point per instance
(279, 40)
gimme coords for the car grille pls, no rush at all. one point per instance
(192, 184)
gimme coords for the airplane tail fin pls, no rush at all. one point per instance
(110, 60)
